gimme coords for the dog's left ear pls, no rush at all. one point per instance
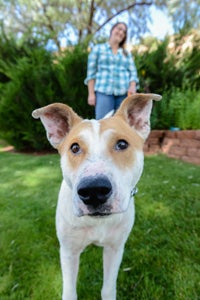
(58, 119)
(136, 111)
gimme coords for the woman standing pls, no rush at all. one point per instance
(111, 73)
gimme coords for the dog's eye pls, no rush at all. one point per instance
(75, 148)
(121, 145)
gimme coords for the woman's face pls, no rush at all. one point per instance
(119, 32)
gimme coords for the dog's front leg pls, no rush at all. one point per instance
(70, 265)
(112, 258)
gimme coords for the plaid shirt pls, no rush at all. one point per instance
(112, 72)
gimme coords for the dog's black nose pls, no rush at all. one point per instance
(94, 191)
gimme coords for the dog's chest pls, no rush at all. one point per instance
(97, 236)
(101, 234)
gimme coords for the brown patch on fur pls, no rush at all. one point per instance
(74, 137)
(115, 129)
(120, 130)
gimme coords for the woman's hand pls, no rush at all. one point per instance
(92, 99)
(91, 93)
(132, 88)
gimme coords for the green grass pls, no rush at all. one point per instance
(162, 256)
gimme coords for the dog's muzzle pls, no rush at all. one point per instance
(94, 191)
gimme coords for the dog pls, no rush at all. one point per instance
(101, 162)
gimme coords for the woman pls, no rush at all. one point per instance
(111, 73)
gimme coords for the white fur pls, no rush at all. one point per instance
(76, 230)
(77, 222)
(76, 233)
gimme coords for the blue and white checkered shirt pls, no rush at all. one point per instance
(112, 72)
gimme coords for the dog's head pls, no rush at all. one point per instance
(101, 160)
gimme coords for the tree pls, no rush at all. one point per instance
(55, 19)
(185, 14)
(52, 20)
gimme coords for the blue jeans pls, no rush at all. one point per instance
(106, 103)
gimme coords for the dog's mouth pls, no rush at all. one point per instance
(100, 211)
(99, 214)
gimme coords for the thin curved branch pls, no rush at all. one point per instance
(120, 11)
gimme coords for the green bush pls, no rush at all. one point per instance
(31, 77)
(34, 80)
(174, 73)
(175, 62)
(30, 86)
(11, 52)
(71, 69)
(156, 69)
(191, 67)
(178, 108)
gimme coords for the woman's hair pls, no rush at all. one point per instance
(122, 43)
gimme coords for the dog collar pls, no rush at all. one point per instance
(134, 191)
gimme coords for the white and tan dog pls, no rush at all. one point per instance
(101, 163)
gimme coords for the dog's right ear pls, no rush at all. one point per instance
(58, 119)
(136, 110)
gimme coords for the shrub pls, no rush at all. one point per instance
(10, 52)
(178, 108)
(30, 86)
(175, 62)
(71, 69)
(171, 68)
(35, 80)
(156, 69)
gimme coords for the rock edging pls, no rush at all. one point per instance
(181, 144)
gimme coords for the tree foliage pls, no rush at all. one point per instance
(53, 20)
(185, 14)
(57, 19)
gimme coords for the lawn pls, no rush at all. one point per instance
(162, 256)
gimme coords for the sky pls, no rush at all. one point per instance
(161, 24)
